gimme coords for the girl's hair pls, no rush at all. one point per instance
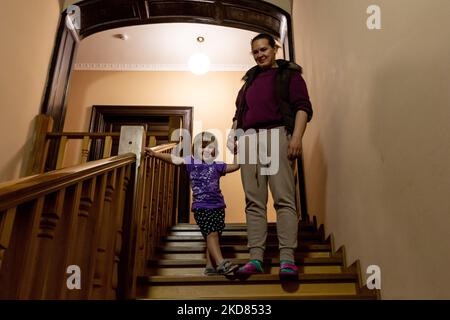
(203, 140)
(266, 36)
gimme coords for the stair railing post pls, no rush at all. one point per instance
(132, 139)
(40, 144)
(302, 190)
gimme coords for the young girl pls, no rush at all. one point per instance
(208, 204)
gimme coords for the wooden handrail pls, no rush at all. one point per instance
(164, 147)
(25, 189)
(81, 135)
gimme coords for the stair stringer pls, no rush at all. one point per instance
(354, 267)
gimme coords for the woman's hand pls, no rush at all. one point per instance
(295, 148)
(232, 144)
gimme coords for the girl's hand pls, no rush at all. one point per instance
(149, 152)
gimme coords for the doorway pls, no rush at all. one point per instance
(159, 122)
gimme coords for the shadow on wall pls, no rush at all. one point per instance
(316, 184)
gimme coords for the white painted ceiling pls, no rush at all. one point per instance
(166, 47)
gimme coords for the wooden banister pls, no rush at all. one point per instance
(104, 217)
(72, 216)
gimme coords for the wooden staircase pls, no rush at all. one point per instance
(176, 272)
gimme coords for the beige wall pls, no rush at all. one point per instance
(283, 4)
(377, 153)
(27, 31)
(212, 97)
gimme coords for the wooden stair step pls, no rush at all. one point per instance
(358, 296)
(239, 227)
(240, 255)
(241, 236)
(242, 248)
(335, 260)
(274, 269)
(242, 290)
(233, 233)
(265, 278)
(269, 244)
(256, 286)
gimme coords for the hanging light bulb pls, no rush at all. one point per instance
(199, 63)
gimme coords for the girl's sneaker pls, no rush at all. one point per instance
(251, 267)
(210, 271)
(288, 269)
(226, 267)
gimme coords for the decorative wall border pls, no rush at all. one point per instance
(153, 67)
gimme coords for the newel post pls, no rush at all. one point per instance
(132, 140)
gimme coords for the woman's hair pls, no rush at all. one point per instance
(203, 140)
(266, 36)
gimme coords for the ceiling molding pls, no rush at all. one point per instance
(152, 67)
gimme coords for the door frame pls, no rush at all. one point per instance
(101, 15)
(97, 124)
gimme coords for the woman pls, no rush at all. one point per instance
(274, 97)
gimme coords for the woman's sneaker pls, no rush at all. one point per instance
(226, 267)
(288, 269)
(251, 267)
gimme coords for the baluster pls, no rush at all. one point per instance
(105, 230)
(176, 195)
(156, 202)
(61, 152)
(160, 206)
(50, 218)
(79, 246)
(170, 200)
(111, 223)
(93, 233)
(16, 275)
(141, 219)
(6, 227)
(146, 211)
(166, 198)
(85, 149)
(107, 148)
(66, 239)
(124, 181)
(152, 205)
